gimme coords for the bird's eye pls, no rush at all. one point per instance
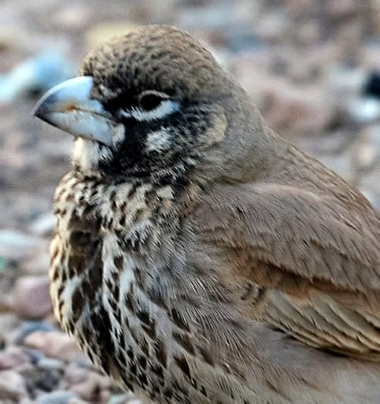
(151, 99)
(152, 105)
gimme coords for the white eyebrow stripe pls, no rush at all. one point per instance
(165, 108)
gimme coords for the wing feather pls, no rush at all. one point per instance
(319, 258)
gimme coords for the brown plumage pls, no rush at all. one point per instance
(199, 257)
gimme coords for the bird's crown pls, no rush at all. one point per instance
(155, 57)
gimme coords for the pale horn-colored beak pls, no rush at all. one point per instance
(69, 107)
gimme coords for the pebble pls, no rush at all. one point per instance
(39, 73)
(12, 386)
(99, 33)
(13, 357)
(43, 225)
(38, 379)
(29, 327)
(347, 81)
(372, 85)
(94, 389)
(32, 298)
(77, 401)
(365, 110)
(17, 245)
(51, 364)
(38, 264)
(291, 108)
(34, 355)
(367, 151)
(243, 39)
(211, 16)
(128, 398)
(56, 397)
(54, 344)
(75, 373)
(3, 264)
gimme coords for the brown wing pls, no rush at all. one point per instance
(317, 260)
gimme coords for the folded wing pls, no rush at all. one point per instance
(317, 259)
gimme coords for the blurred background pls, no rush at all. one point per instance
(311, 66)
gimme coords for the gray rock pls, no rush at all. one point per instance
(54, 344)
(12, 386)
(365, 110)
(75, 374)
(212, 16)
(367, 151)
(38, 379)
(94, 389)
(38, 73)
(13, 357)
(16, 245)
(32, 298)
(128, 398)
(43, 225)
(51, 364)
(56, 397)
(29, 327)
(34, 355)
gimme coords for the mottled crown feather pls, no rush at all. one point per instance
(155, 57)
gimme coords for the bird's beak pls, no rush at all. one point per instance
(69, 107)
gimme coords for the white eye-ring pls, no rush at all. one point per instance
(164, 108)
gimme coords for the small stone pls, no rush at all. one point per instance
(367, 151)
(290, 107)
(26, 400)
(342, 8)
(3, 264)
(43, 225)
(54, 344)
(17, 245)
(38, 264)
(94, 389)
(215, 15)
(38, 73)
(365, 110)
(32, 298)
(34, 355)
(75, 374)
(51, 364)
(12, 386)
(56, 397)
(128, 398)
(29, 327)
(38, 379)
(102, 32)
(13, 357)
(118, 399)
(372, 85)
(72, 16)
(243, 39)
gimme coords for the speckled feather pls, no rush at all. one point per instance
(248, 273)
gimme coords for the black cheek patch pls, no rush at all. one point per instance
(129, 153)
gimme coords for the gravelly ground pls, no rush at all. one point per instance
(303, 62)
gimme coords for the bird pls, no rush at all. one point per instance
(198, 256)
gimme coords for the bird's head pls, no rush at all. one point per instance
(152, 104)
